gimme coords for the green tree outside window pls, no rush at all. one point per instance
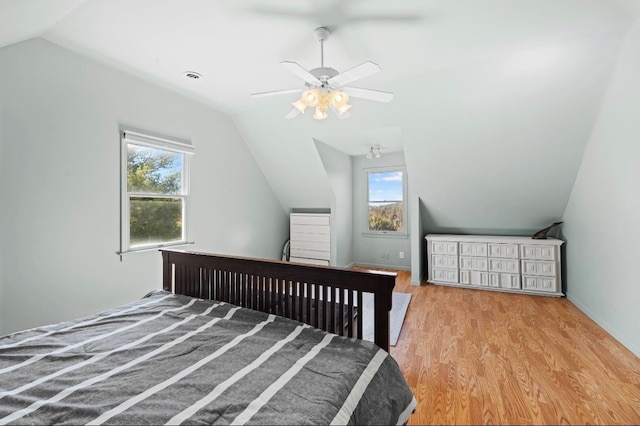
(153, 175)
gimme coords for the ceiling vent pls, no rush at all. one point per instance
(193, 75)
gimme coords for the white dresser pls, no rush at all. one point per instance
(310, 235)
(513, 264)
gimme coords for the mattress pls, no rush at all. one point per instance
(171, 359)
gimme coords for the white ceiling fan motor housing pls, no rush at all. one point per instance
(323, 74)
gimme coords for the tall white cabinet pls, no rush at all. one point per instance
(513, 264)
(310, 238)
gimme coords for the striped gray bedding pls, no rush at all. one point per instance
(171, 359)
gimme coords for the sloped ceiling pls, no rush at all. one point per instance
(494, 99)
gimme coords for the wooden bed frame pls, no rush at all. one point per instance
(281, 288)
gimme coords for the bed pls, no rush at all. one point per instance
(227, 340)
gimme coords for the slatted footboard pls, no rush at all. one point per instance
(324, 297)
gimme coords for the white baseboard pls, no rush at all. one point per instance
(419, 282)
(612, 331)
(375, 265)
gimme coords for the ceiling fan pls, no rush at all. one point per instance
(326, 88)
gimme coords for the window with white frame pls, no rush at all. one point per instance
(386, 201)
(154, 191)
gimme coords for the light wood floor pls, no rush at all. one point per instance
(477, 357)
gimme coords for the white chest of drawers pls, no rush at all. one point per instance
(513, 264)
(310, 238)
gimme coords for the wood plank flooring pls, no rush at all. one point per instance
(477, 357)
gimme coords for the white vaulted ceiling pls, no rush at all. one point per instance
(494, 99)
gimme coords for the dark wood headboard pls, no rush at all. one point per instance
(282, 288)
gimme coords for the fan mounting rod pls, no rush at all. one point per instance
(322, 34)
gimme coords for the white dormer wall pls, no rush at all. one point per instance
(338, 167)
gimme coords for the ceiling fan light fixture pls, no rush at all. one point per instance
(342, 109)
(338, 98)
(374, 151)
(320, 115)
(300, 105)
(321, 100)
(310, 97)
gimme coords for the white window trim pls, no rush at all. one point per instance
(168, 144)
(405, 210)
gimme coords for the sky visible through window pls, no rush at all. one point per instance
(171, 166)
(385, 186)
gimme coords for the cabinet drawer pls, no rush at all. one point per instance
(448, 262)
(537, 267)
(549, 284)
(474, 263)
(310, 254)
(504, 265)
(509, 251)
(310, 245)
(509, 281)
(444, 247)
(538, 252)
(504, 280)
(310, 232)
(310, 219)
(474, 278)
(473, 249)
(445, 275)
(309, 261)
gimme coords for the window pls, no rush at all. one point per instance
(386, 195)
(154, 191)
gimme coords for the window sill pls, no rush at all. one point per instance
(400, 235)
(153, 248)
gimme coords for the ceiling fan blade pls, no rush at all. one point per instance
(370, 94)
(293, 113)
(297, 69)
(359, 71)
(275, 92)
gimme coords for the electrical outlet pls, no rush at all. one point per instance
(401, 255)
(384, 255)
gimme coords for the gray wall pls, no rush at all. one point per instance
(59, 185)
(601, 227)
(340, 174)
(367, 249)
